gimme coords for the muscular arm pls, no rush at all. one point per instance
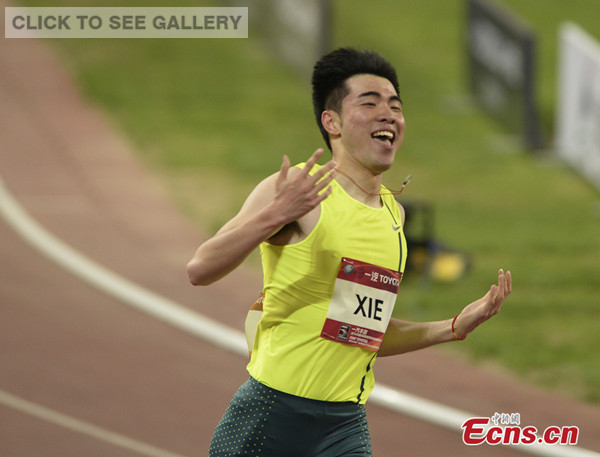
(403, 336)
(278, 200)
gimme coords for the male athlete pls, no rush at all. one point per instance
(333, 253)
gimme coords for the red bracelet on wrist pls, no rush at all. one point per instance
(456, 337)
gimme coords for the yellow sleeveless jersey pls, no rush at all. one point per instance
(303, 345)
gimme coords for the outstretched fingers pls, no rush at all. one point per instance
(508, 283)
(314, 158)
(298, 191)
(499, 292)
(321, 178)
(505, 283)
(283, 171)
(487, 306)
(324, 176)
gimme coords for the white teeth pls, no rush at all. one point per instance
(383, 133)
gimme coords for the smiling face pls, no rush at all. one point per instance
(370, 128)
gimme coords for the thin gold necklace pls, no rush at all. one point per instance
(391, 192)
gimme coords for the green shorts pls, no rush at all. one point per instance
(261, 421)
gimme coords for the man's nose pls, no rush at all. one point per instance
(386, 114)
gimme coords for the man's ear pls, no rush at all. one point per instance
(331, 122)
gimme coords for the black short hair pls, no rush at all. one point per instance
(331, 72)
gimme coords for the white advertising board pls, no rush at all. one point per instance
(578, 112)
(298, 31)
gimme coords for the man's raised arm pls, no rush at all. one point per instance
(278, 200)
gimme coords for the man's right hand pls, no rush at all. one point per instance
(298, 192)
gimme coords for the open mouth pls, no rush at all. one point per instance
(384, 136)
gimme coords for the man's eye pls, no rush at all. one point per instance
(368, 104)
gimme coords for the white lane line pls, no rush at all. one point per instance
(82, 427)
(114, 285)
(221, 335)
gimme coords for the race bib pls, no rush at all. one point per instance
(361, 305)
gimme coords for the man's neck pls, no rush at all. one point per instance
(359, 183)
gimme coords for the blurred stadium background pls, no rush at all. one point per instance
(212, 117)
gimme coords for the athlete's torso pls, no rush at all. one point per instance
(289, 353)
